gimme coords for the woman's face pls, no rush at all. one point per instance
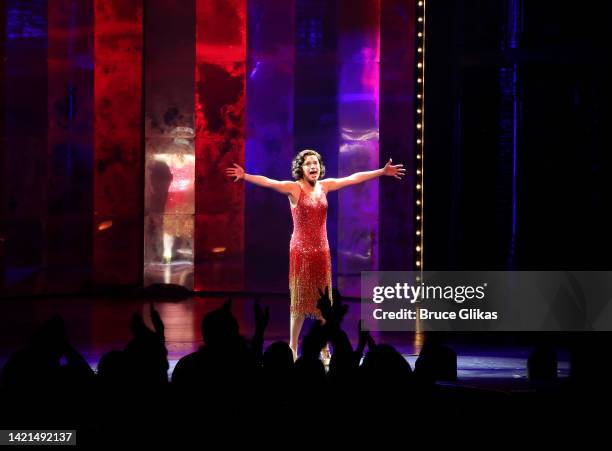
(311, 169)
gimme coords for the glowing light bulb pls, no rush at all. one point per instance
(418, 187)
(418, 248)
(419, 111)
(418, 125)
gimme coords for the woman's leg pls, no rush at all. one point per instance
(294, 333)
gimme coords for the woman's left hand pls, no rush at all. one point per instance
(394, 170)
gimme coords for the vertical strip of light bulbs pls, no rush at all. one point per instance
(420, 130)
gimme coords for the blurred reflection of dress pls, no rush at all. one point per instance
(178, 217)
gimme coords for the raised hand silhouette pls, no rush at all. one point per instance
(332, 312)
(262, 316)
(365, 339)
(324, 304)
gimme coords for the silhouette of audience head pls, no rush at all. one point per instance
(146, 353)
(219, 326)
(314, 341)
(542, 363)
(278, 357)
(436, 361)
(112, 368)
(39, 364)
(384, 361)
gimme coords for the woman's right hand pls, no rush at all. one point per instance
(236, 171)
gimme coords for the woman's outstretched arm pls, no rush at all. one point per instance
(285, 187)
(390, 170)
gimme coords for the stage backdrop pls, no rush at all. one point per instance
(120, 117)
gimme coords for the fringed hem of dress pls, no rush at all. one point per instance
(306, 306)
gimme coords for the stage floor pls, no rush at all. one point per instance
(97, 325)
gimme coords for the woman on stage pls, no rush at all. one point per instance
(309, 257)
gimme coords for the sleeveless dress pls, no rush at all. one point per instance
(309, 257)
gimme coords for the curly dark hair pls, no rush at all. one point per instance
(298, 161)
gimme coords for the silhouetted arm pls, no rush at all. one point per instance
(364, 339)
(158, 324)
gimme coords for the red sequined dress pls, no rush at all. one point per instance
(309, 257)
